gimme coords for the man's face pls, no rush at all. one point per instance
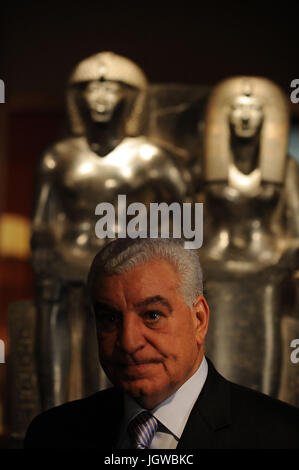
(102, 99)
(150, 341)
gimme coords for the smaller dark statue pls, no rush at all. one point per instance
(250, 252)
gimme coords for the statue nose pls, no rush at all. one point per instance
(100, 96)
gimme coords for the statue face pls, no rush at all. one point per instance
(102, 98)
(246, 116)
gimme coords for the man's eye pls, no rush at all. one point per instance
(107, 320)
(152, 316)
(108, 317)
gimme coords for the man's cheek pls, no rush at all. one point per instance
(108, 338)
(106, 348)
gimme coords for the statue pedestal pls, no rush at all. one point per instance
(83, 373)
(23, 384)
(244, 337)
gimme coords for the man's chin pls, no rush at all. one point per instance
(139, 381)
(141, 391)
(147, 392)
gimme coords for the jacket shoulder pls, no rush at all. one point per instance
(71, 422)
(260, 401)
(272, 423)
(243, 418)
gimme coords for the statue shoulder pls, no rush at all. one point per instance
(60, 151)
(292, 168)
(158, 149)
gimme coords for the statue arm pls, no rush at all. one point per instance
(292, 196)
(172, 177)
(44, 213)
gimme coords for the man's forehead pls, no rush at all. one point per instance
(155, 268)
(153, 278)
(112, 304)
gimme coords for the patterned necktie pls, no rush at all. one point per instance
(142, 430)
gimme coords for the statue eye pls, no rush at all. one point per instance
(112, 87)
(92, 87)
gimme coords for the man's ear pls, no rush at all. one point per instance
(201, 314)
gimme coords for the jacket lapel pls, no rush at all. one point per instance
(210, 413)
(105, 421)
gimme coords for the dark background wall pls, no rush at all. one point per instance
(42, 41)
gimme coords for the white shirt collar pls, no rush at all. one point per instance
(175, 410)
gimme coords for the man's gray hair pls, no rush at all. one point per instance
(123, 254)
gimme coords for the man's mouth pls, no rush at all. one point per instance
(137, 370)
(132, 367)
(138, 363)
(132, 370)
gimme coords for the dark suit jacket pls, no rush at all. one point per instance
(225, 416)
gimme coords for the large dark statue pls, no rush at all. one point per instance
(249, 252)
(107, 155)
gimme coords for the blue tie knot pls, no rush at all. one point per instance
(142, 429)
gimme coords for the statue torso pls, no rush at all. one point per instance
(80, 179)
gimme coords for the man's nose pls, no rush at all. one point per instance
(131, 336)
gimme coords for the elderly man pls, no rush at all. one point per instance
(152, 319)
